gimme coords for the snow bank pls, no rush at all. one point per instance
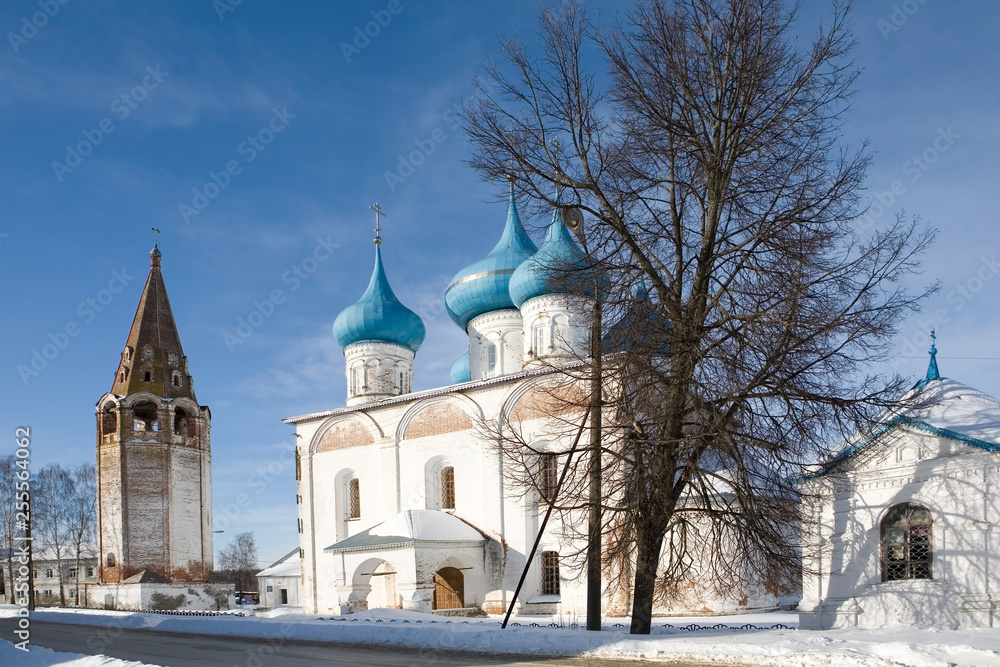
(38, 656)
(427, 635)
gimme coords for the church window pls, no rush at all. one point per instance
(448, 488)
(906, 543)
(491, 359)
(147, 376)
(550, 573)
(560, 331)
(402, 387)
(354, 498)
(300, 525)
(548, 476)
(110, 560)
(176, 379)
(538, 339)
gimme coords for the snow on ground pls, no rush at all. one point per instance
(723, 646)
(43, 657)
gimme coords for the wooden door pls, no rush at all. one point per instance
(449, 588)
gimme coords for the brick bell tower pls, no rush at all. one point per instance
(154, 461)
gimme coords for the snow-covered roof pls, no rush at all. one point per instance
(289, 565)
(938, 406)
(958, 408)
(411, 527)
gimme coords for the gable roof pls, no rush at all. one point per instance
(410, 528)
(289, 565)
(940, 407)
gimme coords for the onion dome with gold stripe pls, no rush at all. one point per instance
(485, 286)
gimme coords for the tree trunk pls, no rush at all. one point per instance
(647, 562)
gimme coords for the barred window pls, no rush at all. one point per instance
(906, 543)
(550, 573)
(448, 488)
(354, 499)
(548, 476)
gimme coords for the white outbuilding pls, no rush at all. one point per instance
(279, 584)
(902, 523)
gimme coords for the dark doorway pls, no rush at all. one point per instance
(284, 596)
(449, 588)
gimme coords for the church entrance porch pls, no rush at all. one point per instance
(409, 562)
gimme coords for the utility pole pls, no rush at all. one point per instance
(572, 217)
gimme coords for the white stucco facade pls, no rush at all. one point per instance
(939, 460)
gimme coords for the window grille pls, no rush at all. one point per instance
(448, 488)
(548, 476)
(354, 499)
(550, 573)
(906, 543)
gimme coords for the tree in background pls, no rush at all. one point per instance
(82, 517)
(8, 526)
(52, 517)
(239, 558)
(720, 205)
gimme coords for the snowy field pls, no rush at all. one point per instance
(721, 646)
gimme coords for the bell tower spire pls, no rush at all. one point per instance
(153, 359)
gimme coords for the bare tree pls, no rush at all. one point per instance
(8, 527)
(51, 511)
(239, 558)
(748, 315)
(82, 517)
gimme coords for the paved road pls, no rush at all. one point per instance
(179, 650)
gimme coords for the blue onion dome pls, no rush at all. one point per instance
(460, 370)
(559, 267)
(484, 286)
(378, 315)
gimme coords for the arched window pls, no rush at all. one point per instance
(560, 332)
(548, 476)
(110, 560)
(491, 360)
(538, 340)
(448, 488)
(353, 498)
(550, 573)
(906, 543)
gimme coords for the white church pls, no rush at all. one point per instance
(404, 501)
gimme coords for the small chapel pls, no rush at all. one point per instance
(900, 527)
(404, 502)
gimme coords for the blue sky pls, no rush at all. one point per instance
(168, 97)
